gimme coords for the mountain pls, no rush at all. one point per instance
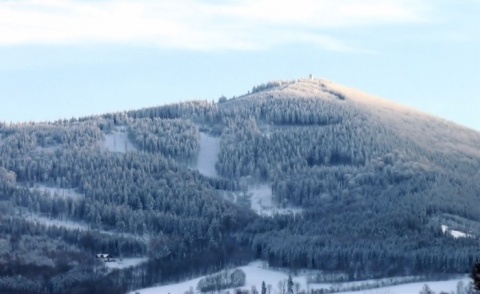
(302, 174)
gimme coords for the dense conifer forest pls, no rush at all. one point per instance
(372, 182)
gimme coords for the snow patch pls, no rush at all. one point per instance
(208, 155)
(118, 141)
(454, 233)
(122, 263)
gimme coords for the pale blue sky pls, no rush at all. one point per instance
(62, 59)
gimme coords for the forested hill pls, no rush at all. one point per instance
(303, 174)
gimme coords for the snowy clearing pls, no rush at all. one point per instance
(57, 192)
(207, 157)
(455, 234)
(73, 225)
(257, 272)
(262, 201)
(118, 141)
(68, 224)
(122, 263)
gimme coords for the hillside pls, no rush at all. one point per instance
(302, 174)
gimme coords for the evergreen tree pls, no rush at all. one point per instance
(289, 285)
(264, 288)
(475, 275)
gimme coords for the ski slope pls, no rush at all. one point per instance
(208, 155)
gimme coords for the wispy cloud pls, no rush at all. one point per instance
(198, 25)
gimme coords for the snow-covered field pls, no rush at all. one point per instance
(449, 286)
(208, 155)
(257, 272)
(118, 141)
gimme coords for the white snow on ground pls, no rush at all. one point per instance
(55, 222)
(256, 272)
(121, 263)
(72, 225)
(449, 286)
(262, 201)
(455, 234)
(207, 157)
(57, 192)
(118, 141)
(255, 275)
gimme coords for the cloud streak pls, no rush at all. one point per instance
(198, 25)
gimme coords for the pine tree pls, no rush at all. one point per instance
(289, 285)
(264, 288)
(475, 275)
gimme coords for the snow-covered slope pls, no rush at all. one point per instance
(425, 129)
(207, 157)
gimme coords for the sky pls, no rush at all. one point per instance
(71, 58)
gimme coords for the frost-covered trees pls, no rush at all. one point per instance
(223, 280)
(172, 137)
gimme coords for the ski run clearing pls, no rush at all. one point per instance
(261, 197)
(256, 273)
(208, 155)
